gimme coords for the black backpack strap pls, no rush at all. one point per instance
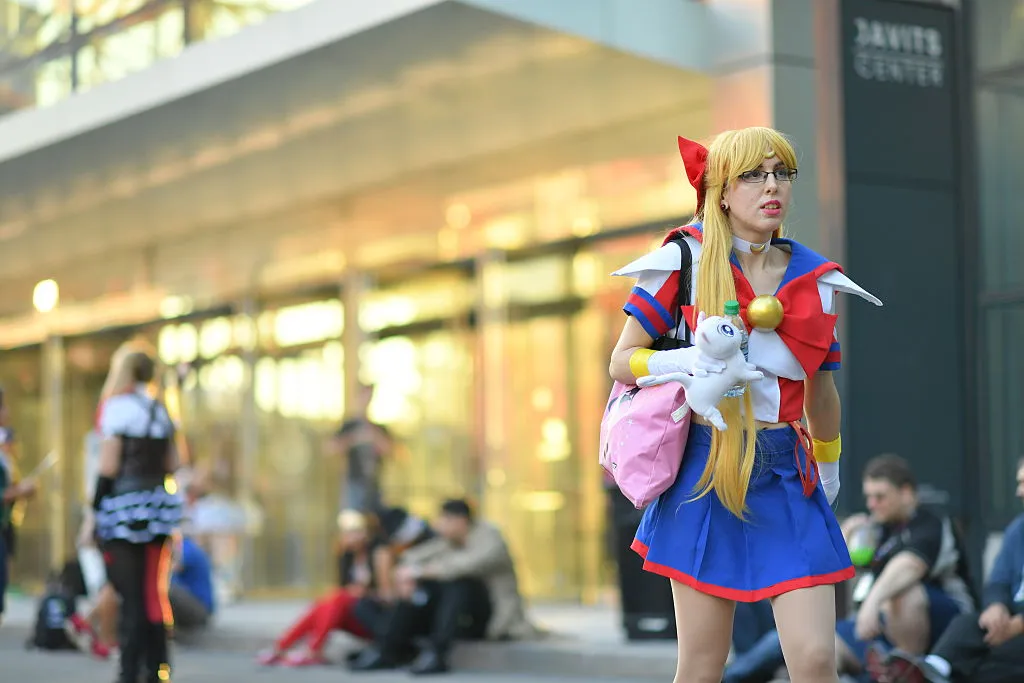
(684, 296)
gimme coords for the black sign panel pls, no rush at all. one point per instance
(899, 79)
(903, 379)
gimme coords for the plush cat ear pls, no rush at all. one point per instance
(701, 317)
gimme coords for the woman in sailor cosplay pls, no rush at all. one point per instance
(748, 517)
(135, 514)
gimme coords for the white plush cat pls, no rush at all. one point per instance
(718, 338)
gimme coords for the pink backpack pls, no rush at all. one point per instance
(642, 441)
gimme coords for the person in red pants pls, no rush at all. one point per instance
(361, 553)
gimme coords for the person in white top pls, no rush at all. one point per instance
(135, 517)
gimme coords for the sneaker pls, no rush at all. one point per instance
(268, 657)
(877, 663)
(79, 633)
(304, 658)
(101, 651)
(906, 668)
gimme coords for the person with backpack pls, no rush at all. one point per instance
(56, 608)
(136, 513)
(748, 517)
(58, 624)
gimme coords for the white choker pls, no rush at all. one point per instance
(749, 247)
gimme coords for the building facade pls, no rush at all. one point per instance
(429, 195)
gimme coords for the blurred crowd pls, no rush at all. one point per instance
(407, 588)
(913, 613)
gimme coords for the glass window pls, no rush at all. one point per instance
(1001, 161)
(538, 280)
(535, 489)
(212, 19)
(441, 296)
(998, 33)
(424, 394)
(1004, 328)
(111, 57)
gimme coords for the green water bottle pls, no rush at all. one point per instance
(863, 543)
(732, 314)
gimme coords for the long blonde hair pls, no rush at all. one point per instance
(120, 378)
(733, 152)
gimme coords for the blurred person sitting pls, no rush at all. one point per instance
(58, 625)
(191, 593)
(217, 522)
(400, 531)
(460, 585)
(918, 581)
(360, 552)
(985, 648)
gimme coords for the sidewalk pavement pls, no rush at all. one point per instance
(583, 641)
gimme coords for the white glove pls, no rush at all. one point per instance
(828, 472)
(689, 360)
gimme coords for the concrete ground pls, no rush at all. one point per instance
(19, 666)
(583, 642)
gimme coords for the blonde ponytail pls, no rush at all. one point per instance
(731, 459)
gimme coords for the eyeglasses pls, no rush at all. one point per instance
(782, 175)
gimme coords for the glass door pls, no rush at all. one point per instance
(423, 393)
(536, 492)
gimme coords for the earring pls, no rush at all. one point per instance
(725, 207)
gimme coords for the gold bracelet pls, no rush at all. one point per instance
(828, 451)
(638, 362)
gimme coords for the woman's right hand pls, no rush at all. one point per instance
(27, 489)
(689, 360)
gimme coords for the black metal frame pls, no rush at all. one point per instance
(976, 461)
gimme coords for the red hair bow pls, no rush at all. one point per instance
(695, 157)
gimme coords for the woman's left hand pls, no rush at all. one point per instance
(869, 623)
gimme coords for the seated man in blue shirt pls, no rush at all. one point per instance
(985, 648)
(191, 593)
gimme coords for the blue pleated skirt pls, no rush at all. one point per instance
(787, 541)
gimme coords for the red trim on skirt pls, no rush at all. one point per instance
(734, 593)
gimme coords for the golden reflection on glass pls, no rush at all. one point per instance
(537, 280)
(188, 342)
(537, 506)
(289, 388)
(542, 399)
(386, 311)
(215, 337)
(436, 297)
(167, 344)
(555, 441)
(244, 332)
(496, 478)
(392, 364)
(174, 306)
(265, 384)
(586, 275)
(307, 323)
(458, 216)
(424, 394)
(507, 232)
